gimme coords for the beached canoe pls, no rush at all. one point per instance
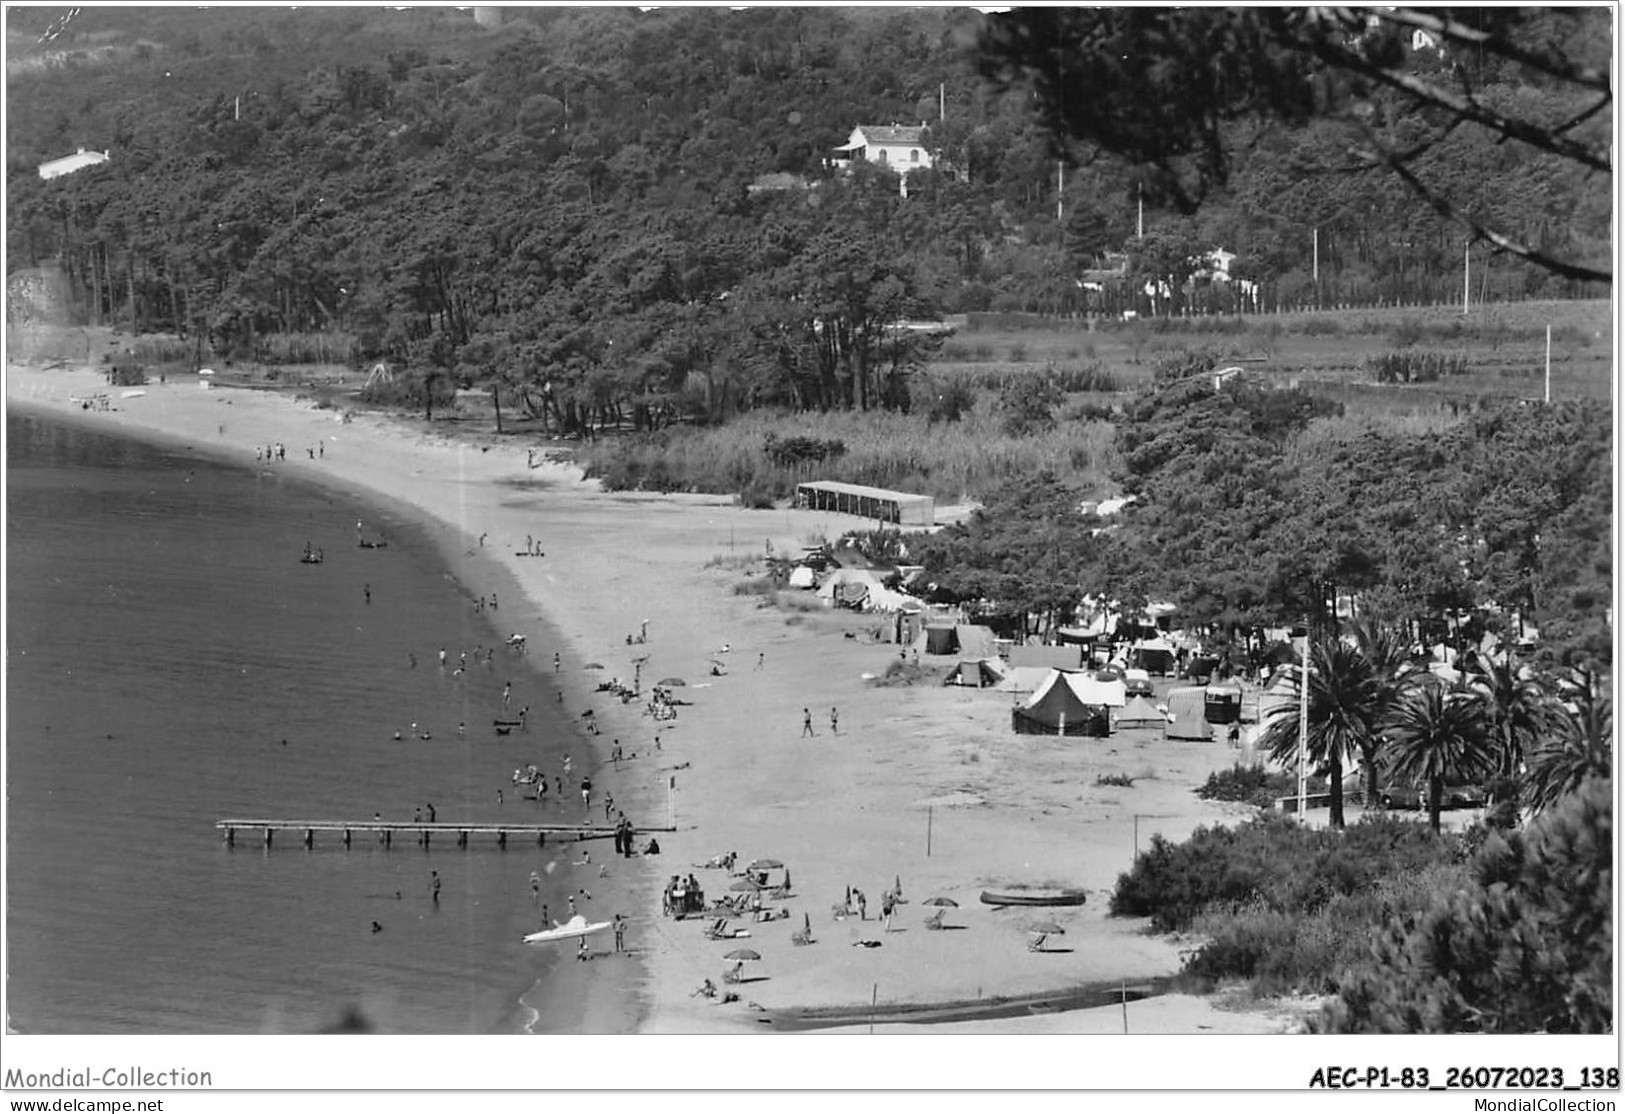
(569, 930)
(1034, 897)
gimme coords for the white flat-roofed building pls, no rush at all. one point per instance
(76, 161)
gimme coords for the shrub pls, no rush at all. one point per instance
(1252, 784)
(1120, 780)
(1272, 860)
(1018, 353)
(1184, 362)
(1523, 949)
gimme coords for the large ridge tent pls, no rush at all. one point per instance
(1069, 704)
(964, 640)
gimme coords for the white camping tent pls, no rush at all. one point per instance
(1139, 710)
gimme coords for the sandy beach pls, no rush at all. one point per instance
(920, 785)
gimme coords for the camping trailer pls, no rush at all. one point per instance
(1187, 715)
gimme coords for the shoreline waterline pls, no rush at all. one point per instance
(843, 808)
(613, 1003)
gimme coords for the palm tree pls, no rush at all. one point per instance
(1516, 705)
(1577, 742)
(1342, 692)
(1383, 649)
(1437, 733)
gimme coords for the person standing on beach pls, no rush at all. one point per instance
(586, 792)
(442, 657)
(366, 592)
(430, 807)
(555, 661)
(834, 722)
(620, 933)
(434, 886)
(761, 660)
(535, 887)
(507, 693)
(806, 722)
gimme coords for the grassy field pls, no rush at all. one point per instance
(1504, 345)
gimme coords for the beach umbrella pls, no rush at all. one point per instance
(764, 864)
(944, 902)
(672, 682)
(593, 665)
(742, 953)
(745, 884)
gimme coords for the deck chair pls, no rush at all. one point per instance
(934, 921)
(801, 937)
(733, 974)
(1036, 944)
(718, 930)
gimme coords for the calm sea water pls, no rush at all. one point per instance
(171, 663)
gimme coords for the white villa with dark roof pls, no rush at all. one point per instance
(896, 146)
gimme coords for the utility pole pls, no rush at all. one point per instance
(1060, 185)
(1548, 366)
(1466, 274)
(1139, 227)
(1303, 731)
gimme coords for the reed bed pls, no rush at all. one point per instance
(951, 461)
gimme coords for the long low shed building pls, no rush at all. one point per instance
(867, 502)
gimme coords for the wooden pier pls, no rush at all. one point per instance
(422, 832)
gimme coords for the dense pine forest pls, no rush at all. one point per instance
(638, 208)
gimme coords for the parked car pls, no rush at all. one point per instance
(1402, 797)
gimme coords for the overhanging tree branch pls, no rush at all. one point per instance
(1444, 208)
(1558, 67)
(1467, 108)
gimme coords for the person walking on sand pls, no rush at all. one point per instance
(586, 792)
(434, 886)
(535, 887)
(834, 722)
(507, 694)
(555, 661)
(366, 592)
(581, 949)
(620, 933)
(430, 807)
(442, 657)
(863, 905)
(806, 722)
(761, 660)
